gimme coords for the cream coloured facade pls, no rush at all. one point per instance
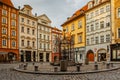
(98, 30)
(27, 34)
(44, 38)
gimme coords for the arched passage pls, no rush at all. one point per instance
(90, 55)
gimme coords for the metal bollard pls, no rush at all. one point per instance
(78, 68)
(96, 66)
(36, 68)
(108, 65)
(55, 69)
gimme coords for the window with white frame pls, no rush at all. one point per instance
(92, 27)
(13, 33)
(96, 40)
(79, 38)
(22, 42)
(4, 42)
(88, 42)
(4, 12)
(13, 43)
(92, 40)
(22, 29)
(13, 23)
(108, 21)
(102, 24)
(97, 12)
(80, 24)
(108, 38)
(48, 46)
(4, 20)
(13, 15)
(4, 31)
(102, 39)
(101, 10)
(88, 29)
(107, 8)
(72, 27)
(97, 25)
(118, 12)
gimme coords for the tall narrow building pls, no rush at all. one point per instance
(27, 34)
(8, 31)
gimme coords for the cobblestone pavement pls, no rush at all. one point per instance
(6, 73)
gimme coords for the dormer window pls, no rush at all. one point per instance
(28, 12)
(96, 2)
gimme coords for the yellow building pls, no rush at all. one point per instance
(115, 46)
(75, 27)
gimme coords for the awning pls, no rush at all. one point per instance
(3, 53)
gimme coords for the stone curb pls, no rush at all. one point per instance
(64, 73)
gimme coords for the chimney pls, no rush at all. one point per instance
(19, 7)
(35, 14)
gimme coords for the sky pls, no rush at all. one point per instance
(56, 10)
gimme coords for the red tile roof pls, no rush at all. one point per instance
(7, 2)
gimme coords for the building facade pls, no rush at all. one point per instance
(55, 45)
(98, 30)
(75, 28)
(44, 38)
(115, 19)
(27, 34)
(8, 31)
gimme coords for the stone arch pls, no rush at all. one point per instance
(90, 55)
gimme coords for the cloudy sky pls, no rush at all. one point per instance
(56, 10)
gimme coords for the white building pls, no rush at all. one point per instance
(98, 30)
(27, 34)
(44, 38)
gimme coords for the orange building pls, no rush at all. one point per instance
(8, 31)
(56, 36)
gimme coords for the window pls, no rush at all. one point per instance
(22, 43)
(118, 12)
(108, 38)
(40, 36)
(13, 43)
(4, 12)
(79, 24)
(44, 37)
(97, 25)
(4, 31)
(107, 8)
(88, 42)
(119, 33)
(96, 2)
(87, 16)
(22, 19)
(92, 27)
(102, 39)
(40, 46)
(3, 42)
(13, 16)
(28, 43)
(28, 12)
(44, 46)
(4, 20)
(28, 31)
(22, 29)
(28, 21)
(97, 12)
(79, 38)
(101, 10)
(48, 46)
(87, 28)
(102, 24)
(13, 23)
(33, 23)
(48, 38)
(67, 29)
(33, 44)
(13, 33)
(96, 40)
(72, 27)
(92, 14)
(33, 32)
(92, 40)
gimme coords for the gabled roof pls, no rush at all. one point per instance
(76, 14)
(7, 2)
(44, 16)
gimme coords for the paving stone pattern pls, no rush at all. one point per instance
(7, 73)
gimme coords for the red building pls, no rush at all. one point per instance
(8, 31)
(56, 37)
